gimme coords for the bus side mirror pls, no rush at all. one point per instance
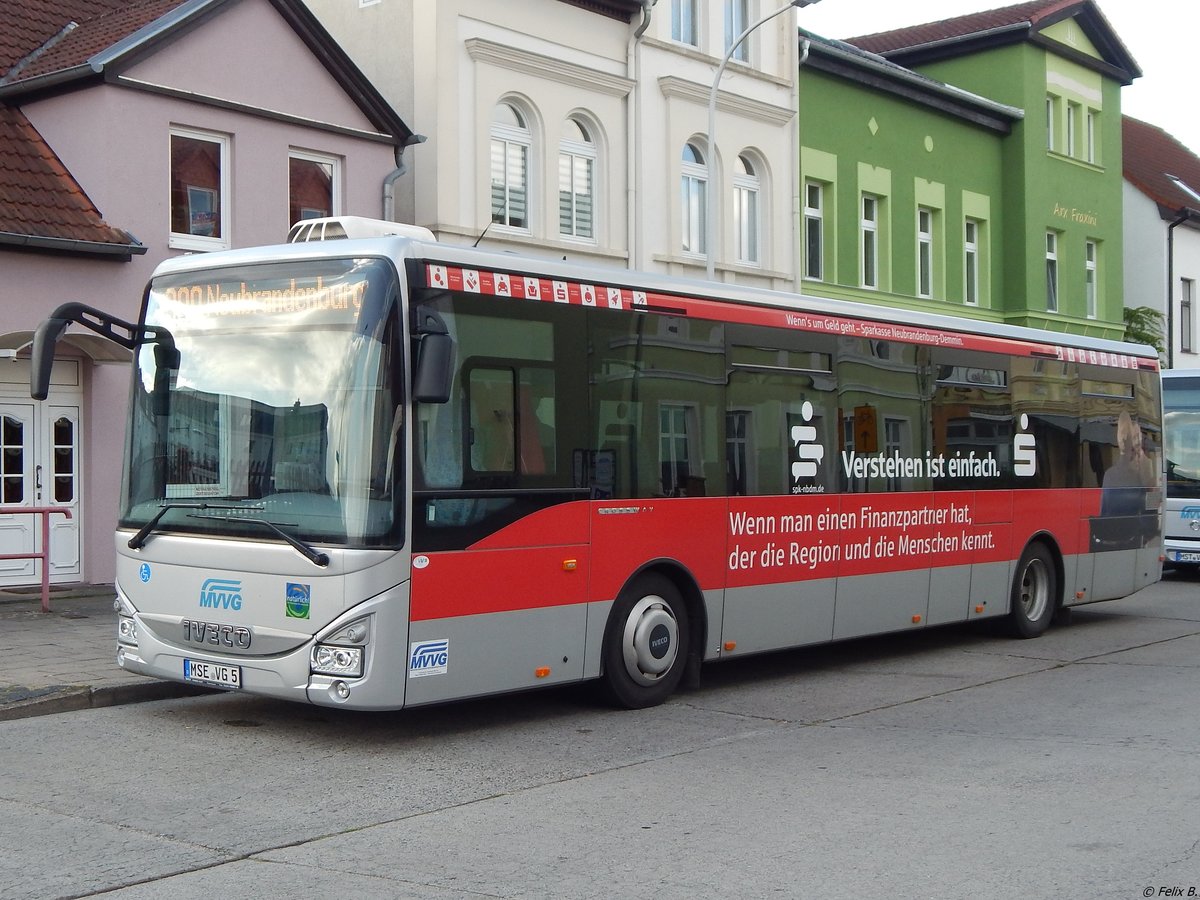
(433, 372)
(44, 339)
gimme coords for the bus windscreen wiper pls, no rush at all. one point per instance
(138, 541)
(313, 555)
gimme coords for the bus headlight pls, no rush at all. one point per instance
(327, 660)
(337, 654)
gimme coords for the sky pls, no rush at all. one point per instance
(1161, 35)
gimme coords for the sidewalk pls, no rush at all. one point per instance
(66, 659)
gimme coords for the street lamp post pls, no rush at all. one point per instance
(710, 224)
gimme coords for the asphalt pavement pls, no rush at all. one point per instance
(66, 659)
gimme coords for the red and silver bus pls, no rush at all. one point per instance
(382, 472)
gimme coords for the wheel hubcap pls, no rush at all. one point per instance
(1035, 592)
(650, 642)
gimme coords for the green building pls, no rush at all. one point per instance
(970, 166)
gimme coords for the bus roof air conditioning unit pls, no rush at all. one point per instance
(335, 228)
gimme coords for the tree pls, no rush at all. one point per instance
(1144, 325)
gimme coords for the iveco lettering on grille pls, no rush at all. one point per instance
(218, 635)
(221, 593)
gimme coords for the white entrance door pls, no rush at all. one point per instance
(39, 466)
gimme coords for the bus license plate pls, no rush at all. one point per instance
(1186, 556)
(214, 674)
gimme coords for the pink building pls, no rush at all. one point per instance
(129, 133)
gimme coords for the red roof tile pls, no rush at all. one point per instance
(29, 24)
(38, 196)
(1150, 155)
(961, 26)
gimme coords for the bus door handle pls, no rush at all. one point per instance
(37, 481)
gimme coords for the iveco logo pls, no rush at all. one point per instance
(218, 635)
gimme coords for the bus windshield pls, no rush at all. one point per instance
(1181, 430)
(277, 413)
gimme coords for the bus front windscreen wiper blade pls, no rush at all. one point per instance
(313, 555)
(138, 541)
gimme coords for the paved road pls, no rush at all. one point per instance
(953, 763)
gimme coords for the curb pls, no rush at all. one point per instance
(70, 698)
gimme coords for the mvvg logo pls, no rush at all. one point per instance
(1024, 451)
(221, 593)
(804, 438)
(428, 658)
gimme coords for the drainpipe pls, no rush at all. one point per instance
(389, 182)
(798, 193)
(1183, 215)
(633, 158)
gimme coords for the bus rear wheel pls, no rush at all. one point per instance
(646, 644)
(1034, 593)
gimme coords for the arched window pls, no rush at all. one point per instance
(576, 181)
(511, 143)
(694, 196)
(747, 222)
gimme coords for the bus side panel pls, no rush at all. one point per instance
(495, 652)
(991, 569)
(769, 616)
(504, 615)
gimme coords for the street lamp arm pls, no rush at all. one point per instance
(710, 227)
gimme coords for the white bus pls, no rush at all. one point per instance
(1181, 428)
(381, 472)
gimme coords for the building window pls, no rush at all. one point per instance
(814, 228)
(1089, 281)
(511, 144)
(1090, 136)
(924, 252)
(199, 191)
(869, 232)
(1072, 115)
(313, 187)
(683, 22)
(576, 182)
(1051, 121)
(694, 194)
(971, 262)
(736, 20)
(746, 220)
(1051, 271)
(1186, 323)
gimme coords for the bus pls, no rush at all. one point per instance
(1181, 431)
(380, 471)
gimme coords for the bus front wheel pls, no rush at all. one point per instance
(646, 645)
(1034, 592)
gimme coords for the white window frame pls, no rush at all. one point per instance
(693, 202)
(1072, 112)
(506, 138)
(1091, 257)
(571, 155)
(335, 183)
(685, 22)
(924, 252)
(1187, 325)
(971, 231)
(183, 240)
(814, 224)
(1090, 135)
(737, 19)
(868, 226)
(747, 211)
(1051, 121)
(688, 438)
(1052, 271)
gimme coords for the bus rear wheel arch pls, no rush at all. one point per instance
(1035, 597)
(647, 642)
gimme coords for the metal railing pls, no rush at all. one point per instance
(43, 513)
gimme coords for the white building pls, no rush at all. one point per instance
(1162, 234)
(546, 122)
